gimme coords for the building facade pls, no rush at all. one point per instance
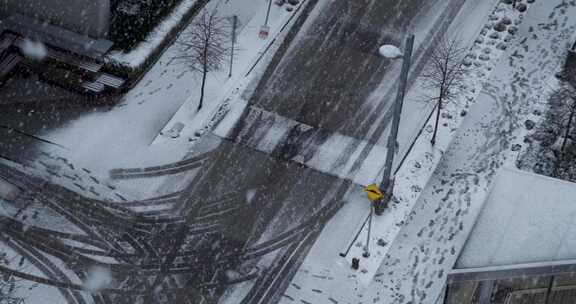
(86, 17)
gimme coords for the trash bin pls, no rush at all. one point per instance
(355, 263)
(380, 206)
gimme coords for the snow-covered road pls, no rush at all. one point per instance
(282, 202)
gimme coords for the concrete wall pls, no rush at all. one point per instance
(89, 17)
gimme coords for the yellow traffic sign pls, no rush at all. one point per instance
(374, 193)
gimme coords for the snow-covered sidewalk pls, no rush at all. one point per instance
(223, 91)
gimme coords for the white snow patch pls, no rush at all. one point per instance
(98, 278)
(33, 49)
(8, 191)
(390, 51)
(250, 195)
(232, 275)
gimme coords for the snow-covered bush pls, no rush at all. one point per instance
(552, 145)
(500, 26)
(521, 7)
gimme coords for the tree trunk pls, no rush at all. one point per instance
(568, 127)
(204, 74)
(433, 141)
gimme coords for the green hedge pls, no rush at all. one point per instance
(127, 31)
(133, 75)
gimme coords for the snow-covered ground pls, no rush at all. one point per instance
(415, 267)
(124, 135)
(423, 241)
(439, 189)
(30, 291)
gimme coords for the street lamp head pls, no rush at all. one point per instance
(390, 51)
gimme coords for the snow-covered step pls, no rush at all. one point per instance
(82, 64)
(9, 62)
(283, 138)
(93, 86)
(6, 42)
(110, 80)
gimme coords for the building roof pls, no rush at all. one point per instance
(56, 36)
(527, 218)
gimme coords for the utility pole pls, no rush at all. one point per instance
(234, 24)
(387, 183)
(268, 12)
(367, 247)
(549, 290)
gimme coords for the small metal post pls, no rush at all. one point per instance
(344, 254)
(234, 22)
(355, 263)
(268, 12)
(387, 183)
(367, 247)
(446, 293)
(549, 290)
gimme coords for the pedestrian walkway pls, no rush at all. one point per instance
(291, 140)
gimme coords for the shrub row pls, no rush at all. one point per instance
(134, 74)
(127, 30)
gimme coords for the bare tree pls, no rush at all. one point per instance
(563, 112)
(444, 74)
(205, 45)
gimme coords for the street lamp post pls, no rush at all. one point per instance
(268, 12)
(387, 184)
(380, 200)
